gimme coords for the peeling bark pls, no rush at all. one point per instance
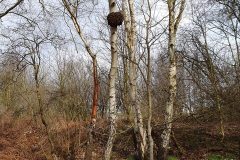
(95, 77)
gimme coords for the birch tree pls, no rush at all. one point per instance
(149, 81)
(72, 9)
(130, 28)
(112, 81)
(174, 20)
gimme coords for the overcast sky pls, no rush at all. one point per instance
(92, 17)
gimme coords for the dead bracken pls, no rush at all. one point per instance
(115, 19)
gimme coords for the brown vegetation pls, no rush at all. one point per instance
(21, 139)
(161, 84)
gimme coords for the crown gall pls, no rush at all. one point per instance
(115, 19)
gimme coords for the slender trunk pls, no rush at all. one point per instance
(149, 85)
(172, 89)
(96, 90)
(174, 21)
(218, 100)
(214, 80)
(112, 89)
(94, 111)
(130, 27)
(41, 111)
(95, 76)
(126, 88)
(139, 131)
(149, 90)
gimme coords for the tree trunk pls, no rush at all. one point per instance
(130, 27)
(94, 111)
(95, 78)
(40, 105)
(149, 85)
(173, 26)
(112, 89)
(149, 93)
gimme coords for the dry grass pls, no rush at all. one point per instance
(20, 139)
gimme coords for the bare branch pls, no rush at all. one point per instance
(11, 8)
(179, 17)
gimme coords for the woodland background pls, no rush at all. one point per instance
(163, 85)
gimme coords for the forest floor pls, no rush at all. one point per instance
(20, 139)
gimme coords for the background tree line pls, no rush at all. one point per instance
(171, 63)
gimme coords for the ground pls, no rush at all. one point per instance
(21, 139)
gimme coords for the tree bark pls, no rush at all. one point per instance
(173, 26)
(95, 78)
(149, 94)
(130, 27)
(112, 88)
(94, 111)
(35, 57)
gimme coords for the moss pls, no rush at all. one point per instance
(220, 157)
(131, 157)
(172, 158)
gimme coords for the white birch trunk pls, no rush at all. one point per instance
(149, 129)
(130, 27)
(112, 89)
(149, 85)
(173, 26)
(149, 92)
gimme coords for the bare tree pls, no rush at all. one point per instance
(10, 8)
(174, 20)
(112, 83)
(232, 8)
(130, 27)
(72, 9)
